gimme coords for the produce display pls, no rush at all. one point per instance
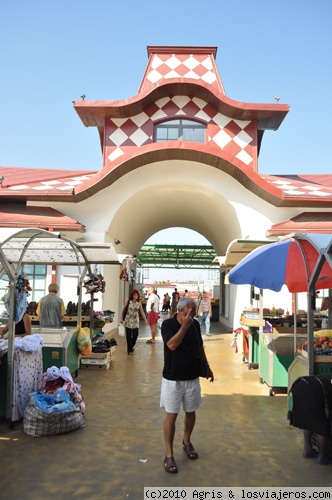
(322, 343)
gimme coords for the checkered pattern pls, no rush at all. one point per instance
(193, 66)
(292, 188)
(37, 423)
(65, 184)
(235, 137)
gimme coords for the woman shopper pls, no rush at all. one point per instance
(130, 319)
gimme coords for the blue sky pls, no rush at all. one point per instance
(53, 52)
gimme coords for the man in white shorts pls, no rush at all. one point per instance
(180, 383)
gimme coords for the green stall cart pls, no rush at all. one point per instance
(60, 348)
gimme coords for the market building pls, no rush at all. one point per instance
(178, 153)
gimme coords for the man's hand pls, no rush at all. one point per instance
(188, 318)
(210, 375)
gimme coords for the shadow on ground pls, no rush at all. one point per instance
(242, 435)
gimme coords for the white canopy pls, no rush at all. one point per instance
(237, 250)
(33, 245)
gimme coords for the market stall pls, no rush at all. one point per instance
(302, 262)
(32, 245)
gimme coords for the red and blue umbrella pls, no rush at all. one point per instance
(290, 262)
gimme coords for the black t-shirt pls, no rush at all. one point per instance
(183, 363)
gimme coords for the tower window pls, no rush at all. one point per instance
(180, 130)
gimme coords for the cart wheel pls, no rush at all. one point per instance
(261, 381)
(271, 392)
(250, 366)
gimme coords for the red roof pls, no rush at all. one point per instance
(19, 215)
(24, 183)
(173, 71)
(307, 222)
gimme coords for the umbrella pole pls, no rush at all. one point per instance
(260, 310)
(311, 310)
(310, 329)
(329, 324)
(295, 322)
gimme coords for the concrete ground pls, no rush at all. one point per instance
(242, 434)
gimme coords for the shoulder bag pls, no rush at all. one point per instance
(125, 310)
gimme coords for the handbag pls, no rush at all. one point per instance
(125, 310)
(121, 330)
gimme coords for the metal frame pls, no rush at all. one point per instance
(22, 246)
(184, 256)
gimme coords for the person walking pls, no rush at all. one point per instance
(180, 377)
(312, 412)
(174, 304)
(165, 305)
(205, 312)
(130, 317)
(152, 309)
(168, 302)
(51, 308)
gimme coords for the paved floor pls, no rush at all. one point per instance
(242, 435)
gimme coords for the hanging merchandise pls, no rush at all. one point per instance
(20, 299)
(23, 284)
(240, 341)
(20, 304)
(95, 283)
(123, 275)
(130, 275)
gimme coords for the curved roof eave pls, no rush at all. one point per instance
(248, 178)
(268, 116)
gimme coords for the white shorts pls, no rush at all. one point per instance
(173, 393)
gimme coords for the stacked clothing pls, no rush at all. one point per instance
(55, 379)
(57, 407)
